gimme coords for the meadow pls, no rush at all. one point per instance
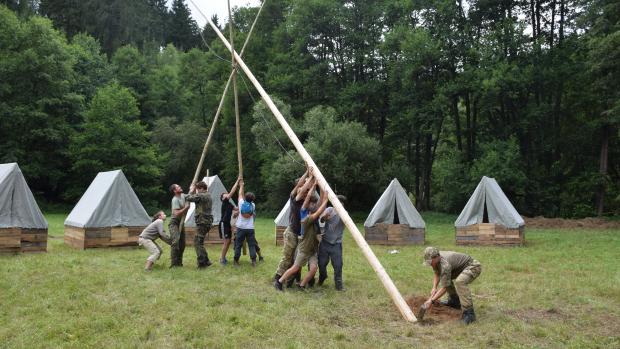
(562, 290)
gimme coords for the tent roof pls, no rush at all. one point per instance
(499, 208)
(18, 208)
(216, 188)
(109, 201)
(394, 197)
(282, 220)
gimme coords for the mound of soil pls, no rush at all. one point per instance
(437, 314)
(562, 223)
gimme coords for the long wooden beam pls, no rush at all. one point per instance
(385, 279)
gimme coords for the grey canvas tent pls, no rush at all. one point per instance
(23, 227)
(499, 208)
(109, 213)
(281, 222)
(489, 218)
(394, 219)
(18, 208)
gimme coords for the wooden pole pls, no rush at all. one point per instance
(385, 279)
(234, 82)
(223, 98)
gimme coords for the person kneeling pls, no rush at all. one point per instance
(148, 236)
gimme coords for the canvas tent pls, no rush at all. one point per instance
(394, 220)
(282, 221)
(489, 218)
(108, 214)
(215, 188)
(23, 227)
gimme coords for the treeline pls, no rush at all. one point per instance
(436, 93)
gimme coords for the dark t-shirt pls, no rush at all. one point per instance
(227, 210)
(294, 219)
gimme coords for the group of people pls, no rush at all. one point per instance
(305, 243)
(239, 219)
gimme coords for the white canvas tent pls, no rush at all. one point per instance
(394, 200)
(18, 208)
(216, 188)
(109, 201)
(499, 209)
(282, 220)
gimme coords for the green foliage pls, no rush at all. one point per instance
(112, 137)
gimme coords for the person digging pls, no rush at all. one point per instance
(453, 273)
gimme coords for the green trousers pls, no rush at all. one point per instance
(460, 285)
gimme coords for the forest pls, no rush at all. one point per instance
(434, 93)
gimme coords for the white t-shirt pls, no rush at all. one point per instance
(245, 223)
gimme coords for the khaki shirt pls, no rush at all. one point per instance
(203, 206)
(450, 266)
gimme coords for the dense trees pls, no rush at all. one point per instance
(436, 93)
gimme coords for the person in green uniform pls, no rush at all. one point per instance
(176, 229)
(203, 217)
(453, 273)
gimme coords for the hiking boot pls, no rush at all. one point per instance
(206, 265)
(148, 266)
(223, 261)
(289, 282)
(321, 280)
(311, 283)
(301, 288)
(452, 302)
(468, 316)
(277, 277)
(278, 285)
(253, 262)
(339, 286)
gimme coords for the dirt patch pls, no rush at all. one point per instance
(437, 314)
(562, 223)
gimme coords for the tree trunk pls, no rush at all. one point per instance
(468, 115)
(427, 171)
(457, 122)
(603, 165)
(552, 23)
(533, 12)
(417, 171)
(561, 34)
(473, 128)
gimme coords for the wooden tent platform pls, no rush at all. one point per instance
(213, 237)
(490, 234)
(82, 238)
(16, 240)
(394, 234)
(279, 233)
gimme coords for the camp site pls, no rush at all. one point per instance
(309, 174)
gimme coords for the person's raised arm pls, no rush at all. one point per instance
(241, 190)
(232, 190)
(309, 195)
(300, 183)
(310, 182)
(314, 216)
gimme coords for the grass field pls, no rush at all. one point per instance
(561, 291)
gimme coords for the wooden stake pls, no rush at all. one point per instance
(385, 279)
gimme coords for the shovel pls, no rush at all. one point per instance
(421, 312)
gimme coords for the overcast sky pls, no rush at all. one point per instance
(210, 7)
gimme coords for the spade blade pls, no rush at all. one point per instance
(421, 312)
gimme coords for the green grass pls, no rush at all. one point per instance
(561, 291)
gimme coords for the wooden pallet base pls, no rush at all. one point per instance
(279, 234)
(490, 234)
(16, 240)
(82, 238)
(213, 237)
(394, 234)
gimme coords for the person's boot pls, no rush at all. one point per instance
(322, 279)
(452, 302)
(339, 286)
(223, 261)
(277, 284)
(236, 263)
(277, 277)
(290, 282)
(253, 262)
(468, 316)
(311, 283)
(148, 266)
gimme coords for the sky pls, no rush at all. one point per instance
(210, 7)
